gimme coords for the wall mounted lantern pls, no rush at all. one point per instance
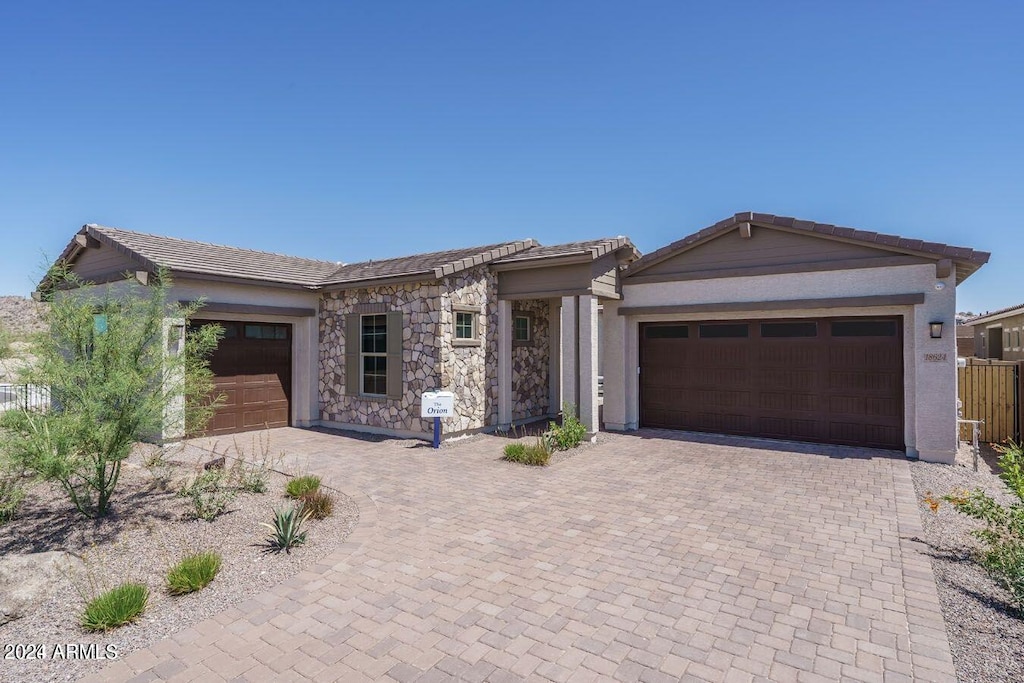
(936, 330)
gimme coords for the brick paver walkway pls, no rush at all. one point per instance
(648, 557)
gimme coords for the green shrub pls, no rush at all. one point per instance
(12, 493)
(286, 532)
(318, 505)
(537, 453)
(515, 451)
(193, 573)
(209, 494)
(1003, 533)
(298, 487)
(571, 432)
(117, 607)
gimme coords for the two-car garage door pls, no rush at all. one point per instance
(827, 380)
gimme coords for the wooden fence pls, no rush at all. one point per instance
(990, 391)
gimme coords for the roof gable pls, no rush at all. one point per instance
(152, 252)
(812, 245)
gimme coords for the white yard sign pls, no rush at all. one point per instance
(437, 404)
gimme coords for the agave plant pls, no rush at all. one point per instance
(286, 531)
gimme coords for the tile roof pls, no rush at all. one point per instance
(968, 260)
(993, 315)
(431, 265)
(595, 248)
(189, 256)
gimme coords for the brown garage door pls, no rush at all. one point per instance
(828, 380)
(252, 369)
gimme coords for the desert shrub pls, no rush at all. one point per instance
(297, 487)
(536, 453)
(116, 607)
(251, 469)
(569, 434)
(1003, 534)
(318, 505)
(286, 532)
(209, 493)
(193, 573)
(104, 361)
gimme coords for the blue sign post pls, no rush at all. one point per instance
(437, 404)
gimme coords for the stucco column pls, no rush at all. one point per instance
(569, 364)
(588, 344)
(934, 376)
(613, 348)
(504, 364)
(554, 357)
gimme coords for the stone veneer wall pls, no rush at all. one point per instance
(429, 359)
(471, 372)
(421, 304)
(530, 363)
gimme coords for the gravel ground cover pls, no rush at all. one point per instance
(986, 634)
(147, 532)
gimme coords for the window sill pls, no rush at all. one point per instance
(465, 342)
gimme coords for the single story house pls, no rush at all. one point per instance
(997, 335)
(759, 325)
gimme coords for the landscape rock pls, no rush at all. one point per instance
(27, 580)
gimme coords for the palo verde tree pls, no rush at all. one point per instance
(117, 374)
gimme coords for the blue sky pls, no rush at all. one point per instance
(354, 130)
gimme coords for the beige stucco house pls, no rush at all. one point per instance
(759, 325)
(998, 334)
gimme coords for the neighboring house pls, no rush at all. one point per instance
(997, 335)
(759, 325)
(964, 340)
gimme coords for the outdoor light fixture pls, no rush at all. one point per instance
(936, 330)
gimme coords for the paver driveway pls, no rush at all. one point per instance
(655, 556)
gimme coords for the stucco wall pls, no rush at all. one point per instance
(531, 362)
(930, 387)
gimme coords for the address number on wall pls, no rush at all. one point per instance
(936, 357)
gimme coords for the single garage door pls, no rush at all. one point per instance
(827, 380)
(252, 369)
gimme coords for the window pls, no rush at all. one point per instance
(667, 332)
(725, 331)
(374, 354)
(789, 330)
(521, 328)
(465, 325)
(864, 328)
(266, 331)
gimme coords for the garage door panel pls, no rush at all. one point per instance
(788, 380)
(811, 385)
